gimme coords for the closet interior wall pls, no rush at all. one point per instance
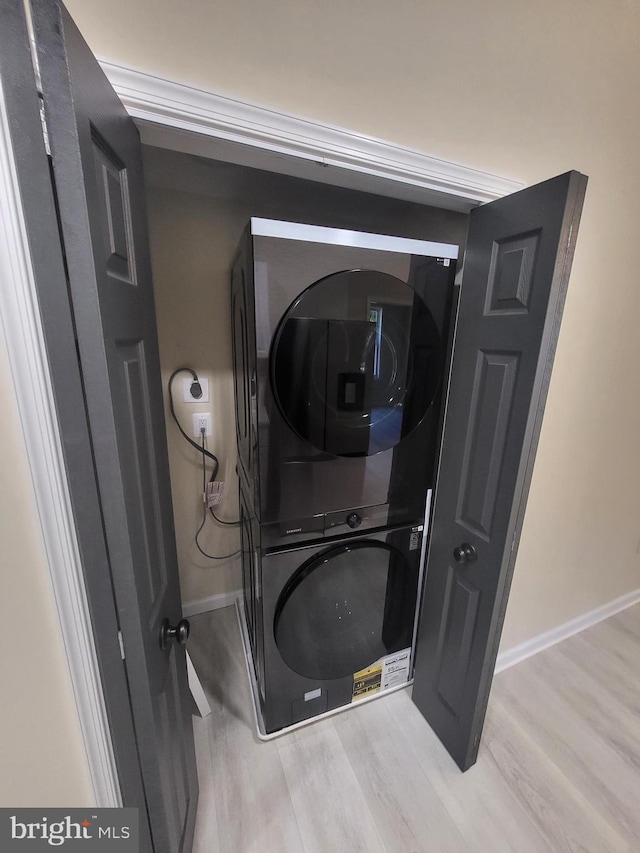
(197, 210)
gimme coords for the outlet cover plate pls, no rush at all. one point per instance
(197, 420)
(186, 391)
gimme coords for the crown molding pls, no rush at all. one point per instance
(182, 118)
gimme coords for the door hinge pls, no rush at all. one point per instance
(121, 644)
(513, 541)
(38, 78)
(45, 129)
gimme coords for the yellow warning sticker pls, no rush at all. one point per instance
(367, 681)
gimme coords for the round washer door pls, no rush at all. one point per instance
(356, 363)
(345, 608)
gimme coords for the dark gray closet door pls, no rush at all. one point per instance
(516, 271)
(97, 172)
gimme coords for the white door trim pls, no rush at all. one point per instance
(20, 318)
(172, 115)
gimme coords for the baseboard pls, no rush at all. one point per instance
(212, 602)
(537, 644)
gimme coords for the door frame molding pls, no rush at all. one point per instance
(181, 118)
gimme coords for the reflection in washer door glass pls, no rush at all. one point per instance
(345, 360)
(346, 608)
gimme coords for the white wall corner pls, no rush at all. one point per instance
(531, 647)
(211, 602)
(170, 113)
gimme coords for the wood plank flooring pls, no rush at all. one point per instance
(558, 768)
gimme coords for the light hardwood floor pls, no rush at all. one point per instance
(558, 769)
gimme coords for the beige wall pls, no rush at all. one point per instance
(42, 757)
(189, 260)
(522, 89)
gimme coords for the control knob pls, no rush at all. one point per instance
(354, 520)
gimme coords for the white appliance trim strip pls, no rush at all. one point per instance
(182, 110)
(421, 577)
(516, 654)
(358, 239)
(20, 317)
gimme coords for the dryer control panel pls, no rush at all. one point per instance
(325, 526)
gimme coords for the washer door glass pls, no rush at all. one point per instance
(356, 363)
(345, 608)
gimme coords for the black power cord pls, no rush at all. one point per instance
(204, 514)
(198, 447)
(196, 391)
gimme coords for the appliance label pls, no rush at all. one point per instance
(313, 694)
(367, 681)
(387, 672)
(395, 669)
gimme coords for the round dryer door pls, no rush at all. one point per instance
(356, 363)
(346, 608)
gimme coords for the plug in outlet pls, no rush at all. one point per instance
(200, 421)
(187, 397)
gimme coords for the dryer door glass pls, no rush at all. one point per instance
(347, 607)
(356, 363)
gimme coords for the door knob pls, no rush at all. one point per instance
(465, 553)
(179, 633)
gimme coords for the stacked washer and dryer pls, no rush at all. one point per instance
(340, 341)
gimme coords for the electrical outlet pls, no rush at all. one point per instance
(202, 419)
(186, 391)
